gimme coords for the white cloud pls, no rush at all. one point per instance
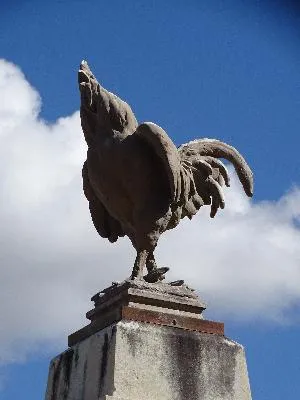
(245, 262)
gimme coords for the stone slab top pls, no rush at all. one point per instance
(175, 296)
(173, 290)
(177, 288)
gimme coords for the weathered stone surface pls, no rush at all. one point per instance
(138, 361)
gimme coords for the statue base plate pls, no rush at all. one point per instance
(149, 341)
(155, 303)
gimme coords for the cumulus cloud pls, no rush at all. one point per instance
(245, 262)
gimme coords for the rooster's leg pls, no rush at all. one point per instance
(150, 263)
(140, 261)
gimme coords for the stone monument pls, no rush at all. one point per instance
(147, 339)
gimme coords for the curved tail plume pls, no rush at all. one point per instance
(203, 148)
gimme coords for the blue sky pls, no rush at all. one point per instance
(220, 69)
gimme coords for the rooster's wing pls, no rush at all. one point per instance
(164, 148)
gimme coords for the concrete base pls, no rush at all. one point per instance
(138, 361)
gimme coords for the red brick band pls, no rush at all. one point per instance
(176, 321)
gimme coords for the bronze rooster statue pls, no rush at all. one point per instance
(138, 183)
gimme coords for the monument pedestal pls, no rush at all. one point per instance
(149, 342)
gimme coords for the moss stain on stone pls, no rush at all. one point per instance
(106, 347)
(55, 382)
(184, 348)
(67, 368)
(76, 358)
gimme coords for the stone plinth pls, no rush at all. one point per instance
(149, 342)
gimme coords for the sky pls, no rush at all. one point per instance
(220, 69)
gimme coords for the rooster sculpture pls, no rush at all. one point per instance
(138, 183)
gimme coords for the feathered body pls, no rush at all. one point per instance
(137, 182)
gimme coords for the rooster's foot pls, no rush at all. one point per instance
(180, 282)
(156, 275)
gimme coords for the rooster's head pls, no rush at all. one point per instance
(110, 112)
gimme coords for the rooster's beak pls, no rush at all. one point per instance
(84, 73)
